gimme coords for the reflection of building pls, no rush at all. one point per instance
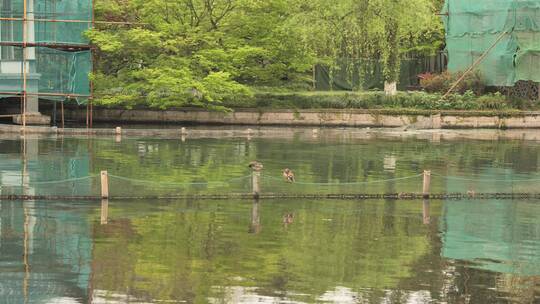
(498, 235)
(507, 28)
(45, 248)
(31, 175)
(43, 52)
(501, 236)
(45, 253)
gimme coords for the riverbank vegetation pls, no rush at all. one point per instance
(227, 54)
(204, 53)
(378, 100)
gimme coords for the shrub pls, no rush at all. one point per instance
(441, 83)
(374, 100)
(492, 102)
(435, 83)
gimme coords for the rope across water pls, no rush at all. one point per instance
(75, 179)
(484, 180)
(134, 188)
(348, 183)
(162, 183)
(270, 177)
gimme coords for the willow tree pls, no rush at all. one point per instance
(380, 30)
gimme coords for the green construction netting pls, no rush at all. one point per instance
(51, 70)
(350, 75)
(472, 27)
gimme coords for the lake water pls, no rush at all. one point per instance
(270, 251)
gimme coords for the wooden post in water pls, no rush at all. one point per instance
(256, 178)
(104, 211)
(427, 184)
(104, 185)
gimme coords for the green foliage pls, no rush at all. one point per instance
(376, 100)
(493, 101)
(193, 52)
(199, 52)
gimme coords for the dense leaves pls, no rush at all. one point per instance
(202, 52)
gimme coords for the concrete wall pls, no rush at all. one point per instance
(323, 117)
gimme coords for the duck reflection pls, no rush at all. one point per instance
(288, 219)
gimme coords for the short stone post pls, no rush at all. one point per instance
(256, 178)
(427, 184)
(104, 185)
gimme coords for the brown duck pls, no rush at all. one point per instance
(288, 175)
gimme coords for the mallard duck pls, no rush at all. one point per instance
(288, 175)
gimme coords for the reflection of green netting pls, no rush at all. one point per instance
(472, 27)
(51, 70)
(500, 242)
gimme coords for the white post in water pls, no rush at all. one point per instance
(104, 211)
(427, 184)
(256, 178)
(104, 185)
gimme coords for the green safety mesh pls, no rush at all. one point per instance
(350, 75)
(472, 27)
(63, 70)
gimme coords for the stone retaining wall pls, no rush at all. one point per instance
(323, 117)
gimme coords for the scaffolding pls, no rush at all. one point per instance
(44, 54)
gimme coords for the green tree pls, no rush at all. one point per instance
(193, 52)
(202, 52)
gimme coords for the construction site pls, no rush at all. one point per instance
(45, 59)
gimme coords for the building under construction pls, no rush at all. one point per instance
(44, 55)
(498, 37)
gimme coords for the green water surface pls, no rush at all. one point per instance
(268, 251)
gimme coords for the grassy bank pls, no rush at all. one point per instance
(378, 100)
